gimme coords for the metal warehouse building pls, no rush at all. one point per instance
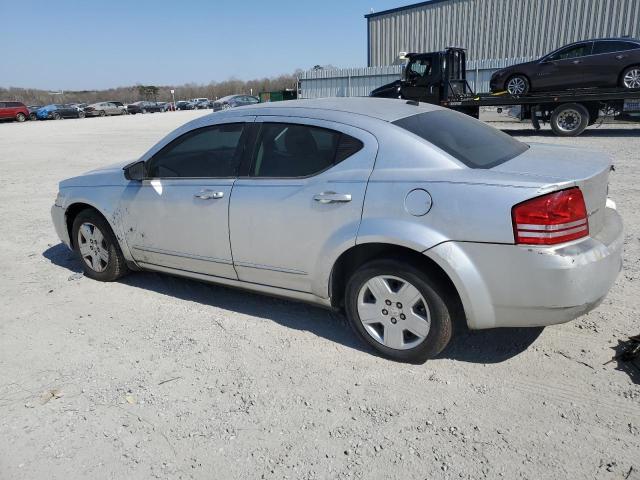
(496, 33)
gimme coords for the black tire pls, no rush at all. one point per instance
(632, 83)
(569, 120)
(81, 115)
(103, 113)
(439, 303)
(56, 116)
(518, 83)
(21, 117)
(116, 266)
(33, 117)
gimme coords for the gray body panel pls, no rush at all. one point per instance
(272, 235)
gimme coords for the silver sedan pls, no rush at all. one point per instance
(410, 218)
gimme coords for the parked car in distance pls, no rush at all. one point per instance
(607, 62)
(143, 107)
(184, 105)
(57, 111)
(200, 103)
(10, 110)
(232, 101)
(460, 222)
(32, 111)
(102, 109)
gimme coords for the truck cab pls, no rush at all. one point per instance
(433, 77)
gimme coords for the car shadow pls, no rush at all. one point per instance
(630, 366)
(485, 346)
(589, 132)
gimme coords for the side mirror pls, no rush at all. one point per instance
(135, 171)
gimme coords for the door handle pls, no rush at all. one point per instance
(208, 194)
(620, 57)
(332, 197)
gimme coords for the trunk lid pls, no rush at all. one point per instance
(563, 167)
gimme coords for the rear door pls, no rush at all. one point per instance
(302, 197)
(5, 112)
(608, 60)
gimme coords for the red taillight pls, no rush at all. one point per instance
(550, 219)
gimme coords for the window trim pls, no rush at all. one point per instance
(242, 144)
(258, 136)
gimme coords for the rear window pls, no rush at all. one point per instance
(470, 141)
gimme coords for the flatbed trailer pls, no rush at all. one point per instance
(569, 112)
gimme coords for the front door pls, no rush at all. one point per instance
(302, 198)
(178, 216)
(567, 68)
(423, 79)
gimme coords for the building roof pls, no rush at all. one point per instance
(406, 7)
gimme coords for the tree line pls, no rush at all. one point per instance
(212, 91)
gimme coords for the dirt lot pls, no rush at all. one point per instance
(162, 377)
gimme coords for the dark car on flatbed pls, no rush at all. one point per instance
(604, 63)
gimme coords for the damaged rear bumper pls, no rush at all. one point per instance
(522, 286)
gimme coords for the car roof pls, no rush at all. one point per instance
(385, 109)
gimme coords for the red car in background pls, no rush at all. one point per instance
(13, 111)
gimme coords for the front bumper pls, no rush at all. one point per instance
(59, 218)
(524, 286)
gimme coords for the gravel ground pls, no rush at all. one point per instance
(161, 377)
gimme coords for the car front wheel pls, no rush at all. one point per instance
(518, 85)
(399, 310)
(97, 247)
(631, 77)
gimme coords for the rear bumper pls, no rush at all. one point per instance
(520, 286)
(59, 219)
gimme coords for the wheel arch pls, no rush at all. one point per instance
(74, 209)
(351, 259)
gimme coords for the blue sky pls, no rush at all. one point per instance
(91, 44)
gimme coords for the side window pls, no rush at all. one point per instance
(204, 153)
(612, 46)
(290, 151)
(574, 52)
(421, 67)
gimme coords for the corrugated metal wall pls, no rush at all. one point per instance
(497, 29)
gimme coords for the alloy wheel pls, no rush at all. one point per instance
(93, 247)
(393, 312)
(632, 78)
(516, 86)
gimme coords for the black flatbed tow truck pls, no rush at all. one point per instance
(440, 78)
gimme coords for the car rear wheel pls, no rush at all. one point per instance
(97, 247)
(569, 120)
(630, 77)
(33, 116)
(21, 117)
(399, 310)
(57, 116)
(80, 114)
(518, 85)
